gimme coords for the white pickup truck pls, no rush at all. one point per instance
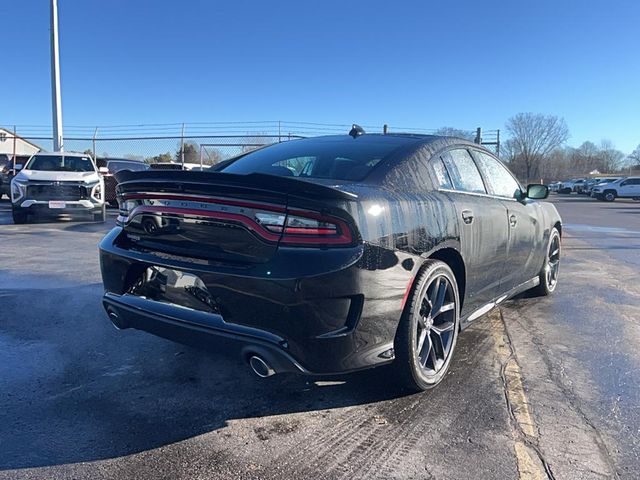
(628, 187)
(57, 183)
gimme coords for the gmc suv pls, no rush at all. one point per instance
(57, 183)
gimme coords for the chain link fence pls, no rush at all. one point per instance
(206, 143)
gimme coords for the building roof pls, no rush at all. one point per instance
(10, 135)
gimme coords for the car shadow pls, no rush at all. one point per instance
(73, 389)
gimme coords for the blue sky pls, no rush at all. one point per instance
(416, 63)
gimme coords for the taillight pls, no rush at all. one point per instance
(271, 222)
(305, 227)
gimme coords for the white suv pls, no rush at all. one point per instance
(628, 187)
(56, 183)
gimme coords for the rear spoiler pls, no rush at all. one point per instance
(132, 181)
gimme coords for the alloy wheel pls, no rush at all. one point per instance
(436, 326)
(553, 262)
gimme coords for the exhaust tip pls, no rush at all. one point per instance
(116, 320)
(260, 367)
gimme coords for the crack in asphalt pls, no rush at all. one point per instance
(530, 440)
(566, 390)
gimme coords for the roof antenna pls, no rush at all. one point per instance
(356, 130)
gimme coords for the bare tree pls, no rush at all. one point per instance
(210, 156)
(610, 156)
(533, 137)
(256, 140)
(455, 132)
(633, 159)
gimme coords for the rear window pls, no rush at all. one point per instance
(60, 163)
(351, 159)
(116, 166)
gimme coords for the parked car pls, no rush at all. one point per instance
(627, 187)
(578, 185)
(588, 185)
(114, 165)
(178, 166)
(165, 166)
(567, 186)
(7, 172)
(555, 186)
(57, 183)
(600, 182)
(330, 254)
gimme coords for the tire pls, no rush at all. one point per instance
(549, 273)
(19, 217)
(419, 369)
(101, 217)
(609, 195)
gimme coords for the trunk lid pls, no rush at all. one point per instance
(216, 216)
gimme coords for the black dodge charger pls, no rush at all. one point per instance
(331, 254)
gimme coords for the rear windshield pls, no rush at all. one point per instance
(116, 166)
(339, 160)
(60, 163)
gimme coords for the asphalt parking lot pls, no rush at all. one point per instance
(541, 388)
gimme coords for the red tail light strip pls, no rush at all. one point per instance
(292, 235)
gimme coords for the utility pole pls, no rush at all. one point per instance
(56, 102)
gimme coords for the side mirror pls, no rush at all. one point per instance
(536, 191)
(103, 170)
(18, 166)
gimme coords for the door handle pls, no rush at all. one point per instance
(513, 220)
(467, 216)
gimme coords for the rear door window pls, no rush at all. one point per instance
(463, 171)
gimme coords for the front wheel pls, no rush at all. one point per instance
(549, 274)
(19, 217)
(428, 330)
(101, 216)
(609, 196)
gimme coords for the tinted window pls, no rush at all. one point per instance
(116, 166)
(351, 159)
(463, 171)
(442, 177)
(632, 181)
(60, 163)
(499, 179)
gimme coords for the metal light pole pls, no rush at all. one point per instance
(56, 102)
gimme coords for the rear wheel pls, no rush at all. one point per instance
(19, 217)
(549, 273)
(428, 329)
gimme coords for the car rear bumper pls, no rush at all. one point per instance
(338, 321)
(199, 329)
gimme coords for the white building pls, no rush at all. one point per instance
(20, 146)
